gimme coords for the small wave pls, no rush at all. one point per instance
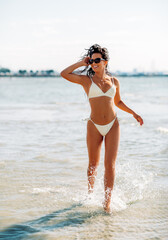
(129, 94)
(42, 190)
(162, 130)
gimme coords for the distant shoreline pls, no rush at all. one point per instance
(55, 76)
(6, 72)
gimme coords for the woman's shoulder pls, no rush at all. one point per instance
(116, 81)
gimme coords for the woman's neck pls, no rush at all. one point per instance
(100, 75)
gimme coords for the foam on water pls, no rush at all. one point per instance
(131, 185)
(162, 130)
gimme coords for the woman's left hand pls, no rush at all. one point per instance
(138, 118)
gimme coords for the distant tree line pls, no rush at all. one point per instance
(51, 73)
(5, 70)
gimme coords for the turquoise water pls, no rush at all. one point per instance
(43, 163)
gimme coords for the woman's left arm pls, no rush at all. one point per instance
(120, 104)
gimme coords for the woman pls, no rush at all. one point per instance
(103, 92)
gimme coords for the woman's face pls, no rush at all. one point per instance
(98, 67)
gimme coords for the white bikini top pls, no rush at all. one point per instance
(95, 91)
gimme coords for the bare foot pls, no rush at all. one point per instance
(107, 200)
(107, 209)
(90, 190)
(106, 206)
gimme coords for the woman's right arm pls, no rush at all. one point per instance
(68, 74)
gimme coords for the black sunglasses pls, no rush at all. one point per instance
(96, 60)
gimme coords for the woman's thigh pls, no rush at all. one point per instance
(94, 142)
(111, 144)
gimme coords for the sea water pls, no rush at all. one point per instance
(43, 163)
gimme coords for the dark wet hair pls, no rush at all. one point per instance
(96, 49)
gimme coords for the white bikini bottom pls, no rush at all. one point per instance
(103, 129)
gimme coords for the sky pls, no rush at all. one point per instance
(53, 34)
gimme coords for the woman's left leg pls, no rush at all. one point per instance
(111, 148)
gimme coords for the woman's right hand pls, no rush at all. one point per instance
(68, 73)
(85, 61)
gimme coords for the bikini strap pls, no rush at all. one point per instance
(90, 78)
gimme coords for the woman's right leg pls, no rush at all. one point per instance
(94, 142)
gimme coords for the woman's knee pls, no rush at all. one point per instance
(92, 168)
(110, 165)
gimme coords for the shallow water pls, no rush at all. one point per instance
(43, 163)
